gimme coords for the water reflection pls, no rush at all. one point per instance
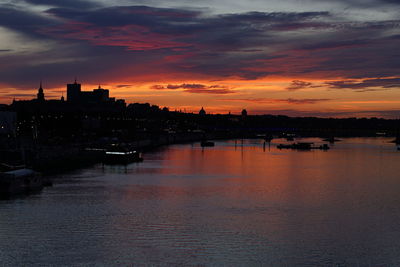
(232, 204)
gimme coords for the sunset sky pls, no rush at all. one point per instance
(330, 58)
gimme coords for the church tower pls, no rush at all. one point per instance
(40, 94)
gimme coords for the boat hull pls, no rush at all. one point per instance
(207, 143)
(303, 146)
(121, 157)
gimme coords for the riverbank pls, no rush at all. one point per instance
(55, 159)
(50, 160)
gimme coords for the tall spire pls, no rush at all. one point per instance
(202, 111)
(40, 94)
(75, 80)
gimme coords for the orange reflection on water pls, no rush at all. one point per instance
(237, 171)
(240, 202)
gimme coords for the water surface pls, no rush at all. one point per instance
(232, 204)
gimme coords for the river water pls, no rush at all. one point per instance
(234, 204)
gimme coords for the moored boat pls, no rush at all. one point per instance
(206, 143)
(121, 157)
(303, 146)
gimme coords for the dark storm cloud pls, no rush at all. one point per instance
(392, 1)
(22, 21)
(64, 3)
(260, 18)
(297, 85)
(195, 88)
(207, 42)
(227, 30)
(160, 19)
(365, 84)
(335, 44)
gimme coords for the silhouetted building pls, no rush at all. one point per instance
(76, 95)
(98, 96)
(34, 104)
(202, 112)
(143, 109)
(244, 113)
(73, 92)
(40, 94)
(38, 104)
(97, 100)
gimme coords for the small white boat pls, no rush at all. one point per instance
(121, 157)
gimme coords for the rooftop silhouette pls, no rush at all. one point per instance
(98, 99)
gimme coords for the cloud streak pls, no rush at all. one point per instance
(297, 85)
(384, 83)
(196, 88)
(302, 101)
